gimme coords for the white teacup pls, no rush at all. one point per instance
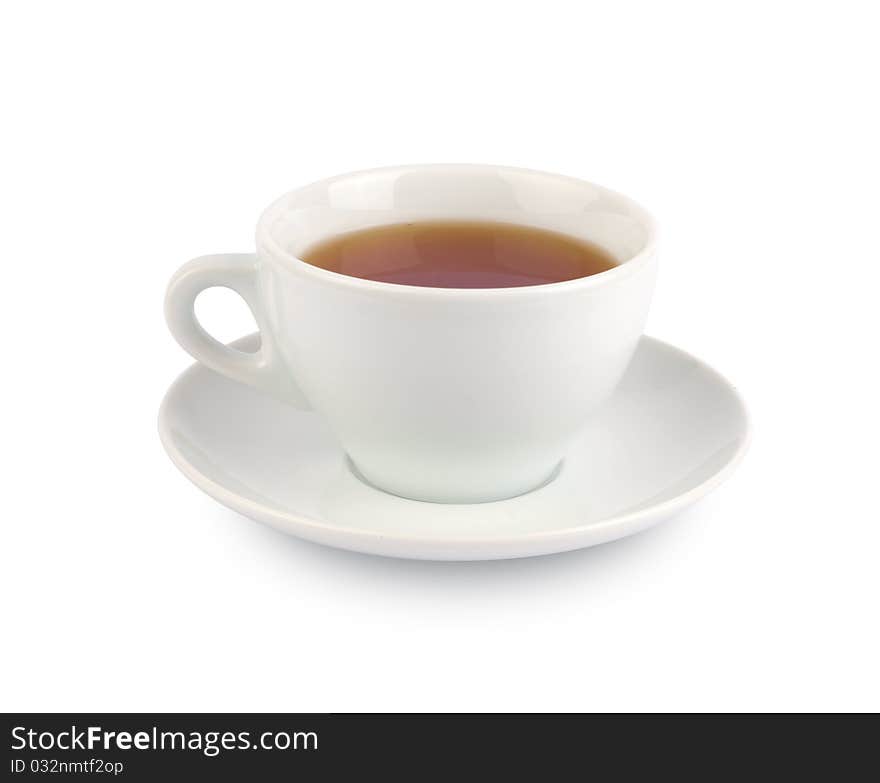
(438, 394)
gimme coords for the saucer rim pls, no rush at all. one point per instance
(260, 512)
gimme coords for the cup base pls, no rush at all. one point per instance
(358, 474)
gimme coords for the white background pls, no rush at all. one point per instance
(138, 135)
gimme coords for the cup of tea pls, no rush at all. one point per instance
(455, 325)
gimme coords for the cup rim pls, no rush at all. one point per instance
(278, 254)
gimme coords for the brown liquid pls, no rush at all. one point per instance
(448, 254)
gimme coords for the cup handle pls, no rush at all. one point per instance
(263, 369)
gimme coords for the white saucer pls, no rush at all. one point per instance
(672, 432)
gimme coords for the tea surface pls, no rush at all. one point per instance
(466, 254)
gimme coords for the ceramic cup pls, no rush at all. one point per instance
(436, 394)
